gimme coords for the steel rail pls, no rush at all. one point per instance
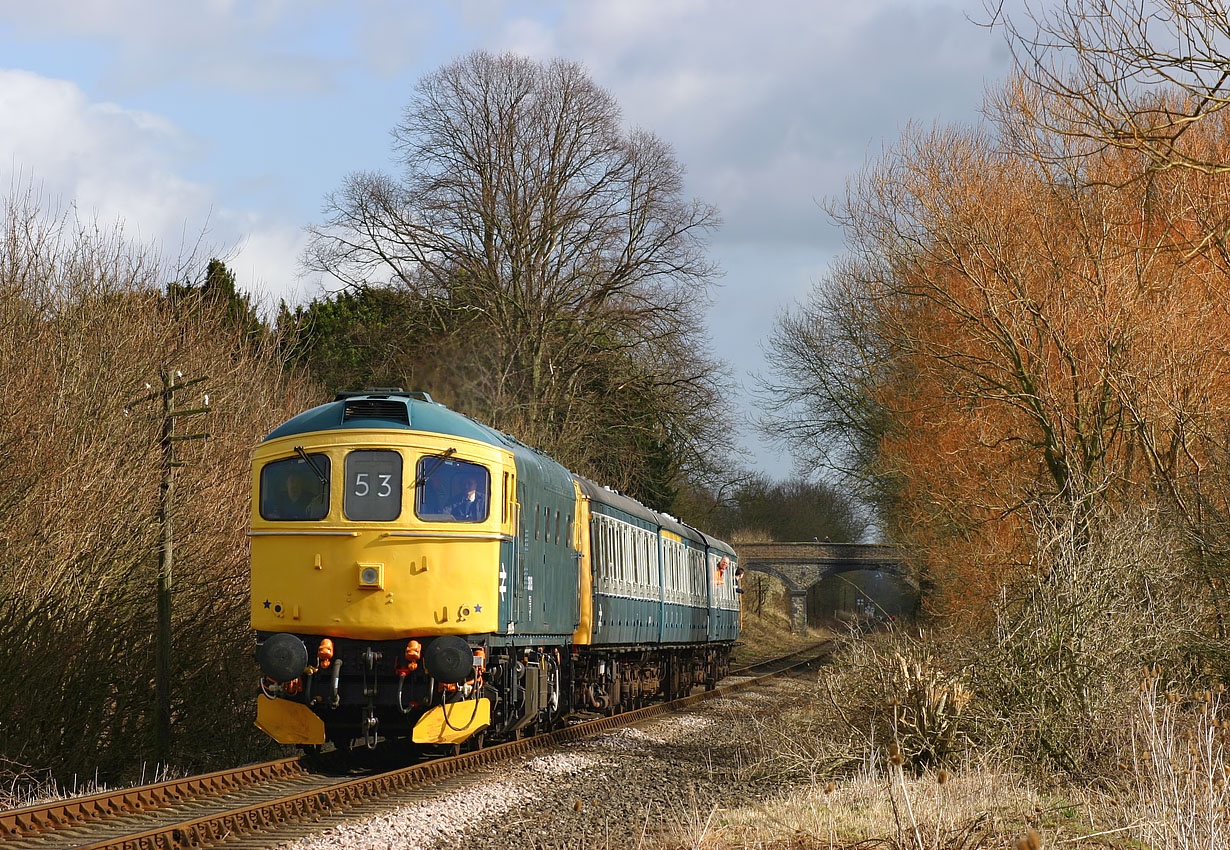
(31, 820)
(209, 829)
(742, 671)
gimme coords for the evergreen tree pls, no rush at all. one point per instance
(217, 293)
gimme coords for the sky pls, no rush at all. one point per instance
(219, 126)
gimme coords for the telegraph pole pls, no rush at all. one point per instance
(166, 550)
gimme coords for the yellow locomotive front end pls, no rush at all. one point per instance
(376, 571)
(345, 555)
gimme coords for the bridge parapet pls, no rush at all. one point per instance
(822, 553)
(800, 565)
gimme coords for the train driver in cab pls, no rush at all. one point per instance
(470, 506)
(302, 497)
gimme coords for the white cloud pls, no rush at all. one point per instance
(528, 37)
(112, 162)
(772, 105)
(265, 264)
(126, 167)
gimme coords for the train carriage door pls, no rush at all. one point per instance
(510, 550)
(520, 612)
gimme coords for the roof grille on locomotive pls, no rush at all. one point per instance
(374, 408)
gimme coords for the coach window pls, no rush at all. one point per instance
(617, 569)
(629, 568)
(608, 555)
(676, 568)
(639, 556)
(448, 490)
(608, 540)
(295, 489)
(634, 557)
(595, 542)
(373, 486)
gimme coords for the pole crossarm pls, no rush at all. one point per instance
(166, 390)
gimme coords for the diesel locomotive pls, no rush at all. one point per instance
(418, 576)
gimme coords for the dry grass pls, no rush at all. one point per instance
(834, 766)
(1179, 797)
(803, 781)
(22, 785)
(970, 808)
(1175, 796)
(764, 638)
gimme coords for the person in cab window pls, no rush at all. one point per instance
(468, 507)
(305, 498)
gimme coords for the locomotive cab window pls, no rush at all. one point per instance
(448, 490)
(373, 486)
(294, 489)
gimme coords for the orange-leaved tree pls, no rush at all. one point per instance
(1035, 336)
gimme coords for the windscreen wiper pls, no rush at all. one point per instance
(419, 482)
(320, 476)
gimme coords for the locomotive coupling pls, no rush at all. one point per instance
(282, 657)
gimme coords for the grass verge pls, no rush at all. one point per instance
(888, 749)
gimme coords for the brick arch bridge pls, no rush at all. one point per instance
(800, 565)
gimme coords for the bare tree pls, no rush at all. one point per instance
(827, 360)
(1128, 74)
(547, 251)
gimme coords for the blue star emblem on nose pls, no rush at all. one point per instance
(266, 603)
(478, 609)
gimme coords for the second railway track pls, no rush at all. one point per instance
(204, 810)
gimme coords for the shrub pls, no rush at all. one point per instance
(1054, 679)
(84, 329)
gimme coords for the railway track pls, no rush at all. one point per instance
(203, 810)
